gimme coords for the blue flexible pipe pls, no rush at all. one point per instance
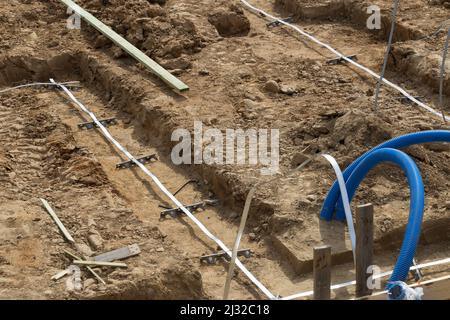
(417, 203)
(400, 142)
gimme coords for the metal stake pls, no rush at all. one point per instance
(386, 56)
(441, 85)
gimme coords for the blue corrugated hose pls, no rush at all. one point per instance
(417, 203)
(400, 142)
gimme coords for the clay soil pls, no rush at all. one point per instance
(242, 74)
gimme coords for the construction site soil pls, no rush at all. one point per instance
(242, 74)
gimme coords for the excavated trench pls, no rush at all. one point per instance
(152, 123)
(415, 53)
(151, 112)
(350, 11)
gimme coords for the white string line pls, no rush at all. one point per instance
(377, 276)
(38, 84)
(166, 192)
(340, 55)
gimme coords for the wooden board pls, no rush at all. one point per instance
(322, 273)
(118, 254)
(364, 248)
(155, 68)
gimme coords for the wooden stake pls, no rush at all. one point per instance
(100, 263)
(58, 222)
(322, 273)
(364, 248)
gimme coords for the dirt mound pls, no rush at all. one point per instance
(149, 27)
(420, 62)
(358, 129)
(230, 22)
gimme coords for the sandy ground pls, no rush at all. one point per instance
(227, 56)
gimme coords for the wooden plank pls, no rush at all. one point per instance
(364, 248)
(155, 68)
(58, 222)
(322, 273)
(118, 254)
(99, 263)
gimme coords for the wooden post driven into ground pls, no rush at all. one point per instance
(155, 68)
(364, 248)
(322, 273)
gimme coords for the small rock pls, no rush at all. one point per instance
(176, 72)
(101, 41)
(163, 234)
(298, 141)
(447, 205)
(252, 236)
(84, 249)
(88, 282)
(52, 44)
(311, 197)
(95, 241)
(48, 292)
(438, 147)
(250, 104)
(288, 90)
(203, 72)
(33, 36)
(180, 63)
(298, 159)
(213, 120)
(254, 96)
(91, 223)
(272, 86)
(320, 128)
(117, 52)
(160, 249)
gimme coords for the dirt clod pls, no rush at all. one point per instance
(230, 22)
